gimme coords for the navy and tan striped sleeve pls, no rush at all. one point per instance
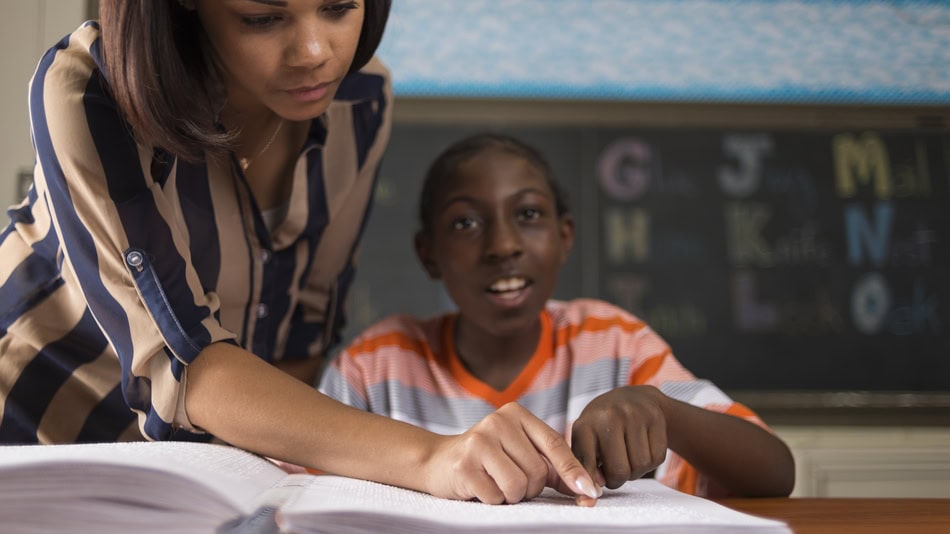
(359, 124)
(123, 239)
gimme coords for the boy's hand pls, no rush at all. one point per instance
(621, 433)
(509, 456)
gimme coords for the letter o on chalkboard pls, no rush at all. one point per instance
(870, 303)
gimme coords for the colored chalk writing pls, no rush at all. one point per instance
(770, 260)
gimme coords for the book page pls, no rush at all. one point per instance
(336, 504)
(224, 479)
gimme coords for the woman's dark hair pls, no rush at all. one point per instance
(447, 163)
(162, 78)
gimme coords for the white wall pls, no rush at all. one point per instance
(857, 461)
(27, 29)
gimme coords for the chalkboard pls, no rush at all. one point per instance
(769, 260)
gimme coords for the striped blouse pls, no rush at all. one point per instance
(124, 262)
(408, 370)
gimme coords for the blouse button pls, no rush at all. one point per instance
(134, 259)
(265, 256)
(262, 311)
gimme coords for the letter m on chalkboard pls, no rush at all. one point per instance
(863, 160)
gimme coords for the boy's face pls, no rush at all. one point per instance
(497, 241)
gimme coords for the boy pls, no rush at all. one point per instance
(496, 230)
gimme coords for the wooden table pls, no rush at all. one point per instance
(866, 516)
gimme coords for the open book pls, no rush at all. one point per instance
(192, 487)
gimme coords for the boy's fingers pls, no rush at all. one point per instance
(658, 443)
(599, 478)
(614, 449)
(639, 454)
(584, 445)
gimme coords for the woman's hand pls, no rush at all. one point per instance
(509, 456)
(621, 435)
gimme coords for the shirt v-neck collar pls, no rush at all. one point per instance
(542, 353)
(297, 210)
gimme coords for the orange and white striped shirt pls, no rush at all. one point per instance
(407, 369)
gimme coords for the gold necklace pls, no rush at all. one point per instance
(246, 162)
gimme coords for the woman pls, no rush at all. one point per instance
(204, 169)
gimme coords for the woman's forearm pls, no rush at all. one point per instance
(250, 404)
(509, 456)
(744, 458)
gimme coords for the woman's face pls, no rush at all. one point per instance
(288, 56)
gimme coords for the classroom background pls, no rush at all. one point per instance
(767, 183)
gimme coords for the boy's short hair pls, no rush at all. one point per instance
(446, 164)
